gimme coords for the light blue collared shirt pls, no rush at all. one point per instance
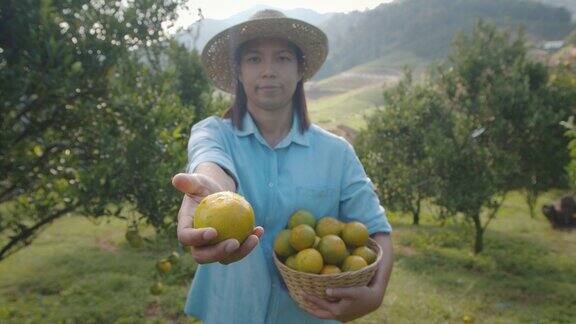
(316, 171)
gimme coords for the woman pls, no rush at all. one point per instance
(266, 150)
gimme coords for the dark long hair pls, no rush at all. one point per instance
(238, 109)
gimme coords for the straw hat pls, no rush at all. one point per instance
(218, 54)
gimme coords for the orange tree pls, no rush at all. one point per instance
(486, 122)
(95, 112)
(565, 77)
(393, 149)
(507, 136)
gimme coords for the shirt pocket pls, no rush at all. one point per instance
(319, 200)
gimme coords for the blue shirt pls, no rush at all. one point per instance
(316, 171)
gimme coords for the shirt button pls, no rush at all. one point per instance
(270, 184)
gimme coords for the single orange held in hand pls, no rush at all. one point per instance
(227, 212)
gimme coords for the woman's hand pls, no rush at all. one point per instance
(196, 186)
(349, 303)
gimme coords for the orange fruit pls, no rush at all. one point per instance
(309, 260)
(301, 217)
(157, 288)
(330, 269)
(467, 319)
(227, 212)
(164, 266)
(332, 248)
(328, 225)
(282, 245)
(302, 237)
(366, 253)
(291, 262)
(355, 234)
(353, 263)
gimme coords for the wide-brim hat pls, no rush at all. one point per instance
(218, 54)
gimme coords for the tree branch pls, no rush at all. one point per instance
(494, 211)
(10, 248)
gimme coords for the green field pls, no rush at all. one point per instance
(348, 108)
(392, 62)
(77, 271)
(527, 273)
(345, 98)
(80, 272)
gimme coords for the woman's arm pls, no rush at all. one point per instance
(382, 276)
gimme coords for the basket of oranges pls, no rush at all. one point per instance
(314, 255)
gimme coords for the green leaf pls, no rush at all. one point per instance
(176, 132)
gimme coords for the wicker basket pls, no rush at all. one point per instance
(315, 284)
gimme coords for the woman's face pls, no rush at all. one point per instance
(269, 73)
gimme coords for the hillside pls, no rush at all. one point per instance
(421, 28)
(210, 27)
(425, 28)
(568, 4)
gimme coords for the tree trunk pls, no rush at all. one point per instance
(416, 214)
(531, 198)
(415, 219)
(478, 242)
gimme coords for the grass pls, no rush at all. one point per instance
(526, 273)
(348, 108)
(393, 62)
(77, 271)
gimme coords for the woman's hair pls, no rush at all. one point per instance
(238, 109)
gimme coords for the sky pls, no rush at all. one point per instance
(222, 9)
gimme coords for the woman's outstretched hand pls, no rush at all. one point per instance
(195, 187)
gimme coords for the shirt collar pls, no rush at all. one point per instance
(293, 136)
(249, 127)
